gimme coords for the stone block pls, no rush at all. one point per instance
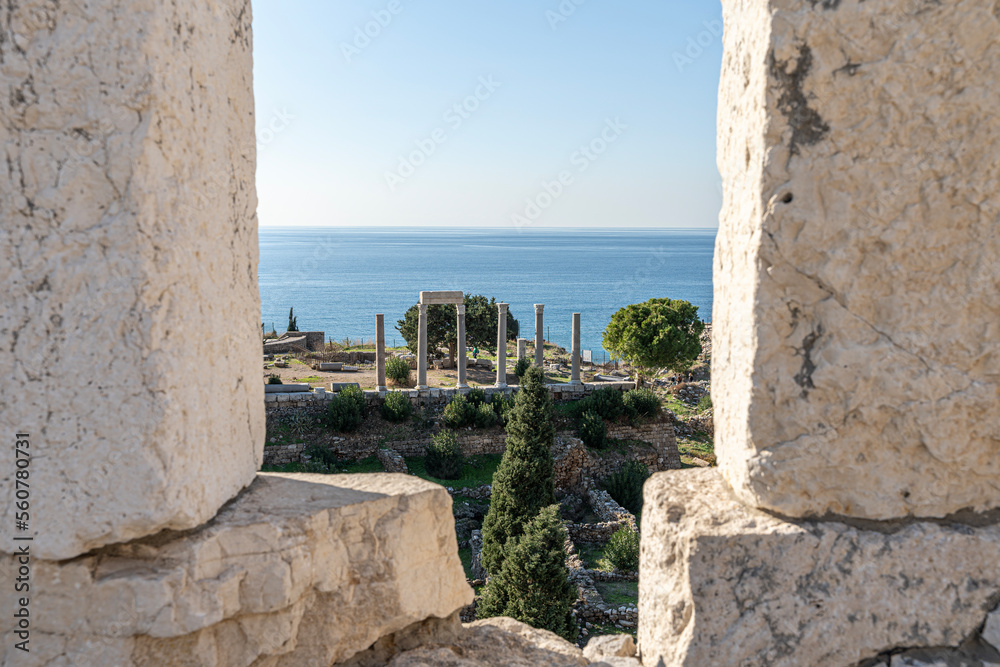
(129, 228)
(858, 247)
(298, 570)
(723, 584)
(286, 388)
(442, 297)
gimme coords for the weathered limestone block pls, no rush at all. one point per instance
(129, 229)
(723, 584)
(857, 266)
(496, 642)
(298, 570)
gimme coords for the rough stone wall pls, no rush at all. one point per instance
(129, 212)
(857, 281)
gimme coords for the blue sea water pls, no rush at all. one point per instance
(337, 279)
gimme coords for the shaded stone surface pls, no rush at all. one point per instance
(857, 262)
(298, 570)
(725, 584)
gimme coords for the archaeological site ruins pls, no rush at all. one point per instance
(854, 517)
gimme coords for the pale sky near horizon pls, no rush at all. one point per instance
(584, 113)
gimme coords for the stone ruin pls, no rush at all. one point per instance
(852, 521)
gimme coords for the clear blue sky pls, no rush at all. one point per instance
(359, 130)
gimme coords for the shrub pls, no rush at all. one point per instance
(524, 483)
(485, 416)
(502, 405)
(622, 550)
(347, 410)
(641, 403)
(533, 584)
(477, 396)
(397, 407)
(704, 404)
(608, 403)
(444, 456)
(322, 455)
(625, 485)
(592, 430)
(274, 379)
(398, 370)
(521, 367)
(459, 412)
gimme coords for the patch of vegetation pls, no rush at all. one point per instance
(625, 485)
(618, 593)
(459, 412)
(592, 430)
(476, 397)
(484, 416)
(622, 550)
(521, 367)
(465, 555)
(705, 403)
(658, 333)
(641, 404)
(370, 464)
(310, 379)
(347, 410)
(396, 407)
(478, 470)
(699, 445)
(444, 456)
(677, 406)
(274, 378)
(533, 584)
(398, 370)
(321, 454)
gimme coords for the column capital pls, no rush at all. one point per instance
(423, 307)
(502, 307)
(539, 307)
(461, 308)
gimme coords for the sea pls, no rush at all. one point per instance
(338, 278)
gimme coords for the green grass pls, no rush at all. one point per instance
(618, 593)
(310, 379)
(700, 445)
(465, 554)
(679, 408)
(478, 470)
(370, 464)
(593, 558)
(282, 434)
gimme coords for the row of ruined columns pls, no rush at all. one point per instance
(501, 369)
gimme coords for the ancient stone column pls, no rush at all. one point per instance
(522, 348)
(380, 352)
(502, 345)
(855, 373)
(539, 335)
(422, 348)
(128, 259)
(461, 346)
(575, 374)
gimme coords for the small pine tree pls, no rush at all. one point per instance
(533, 585)
(293, 322)
(524, 483)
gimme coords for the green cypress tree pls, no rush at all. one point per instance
(533, 585)
(524, 483)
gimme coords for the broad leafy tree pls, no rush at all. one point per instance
(659, 333)
(524, 483)
(481, 319)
